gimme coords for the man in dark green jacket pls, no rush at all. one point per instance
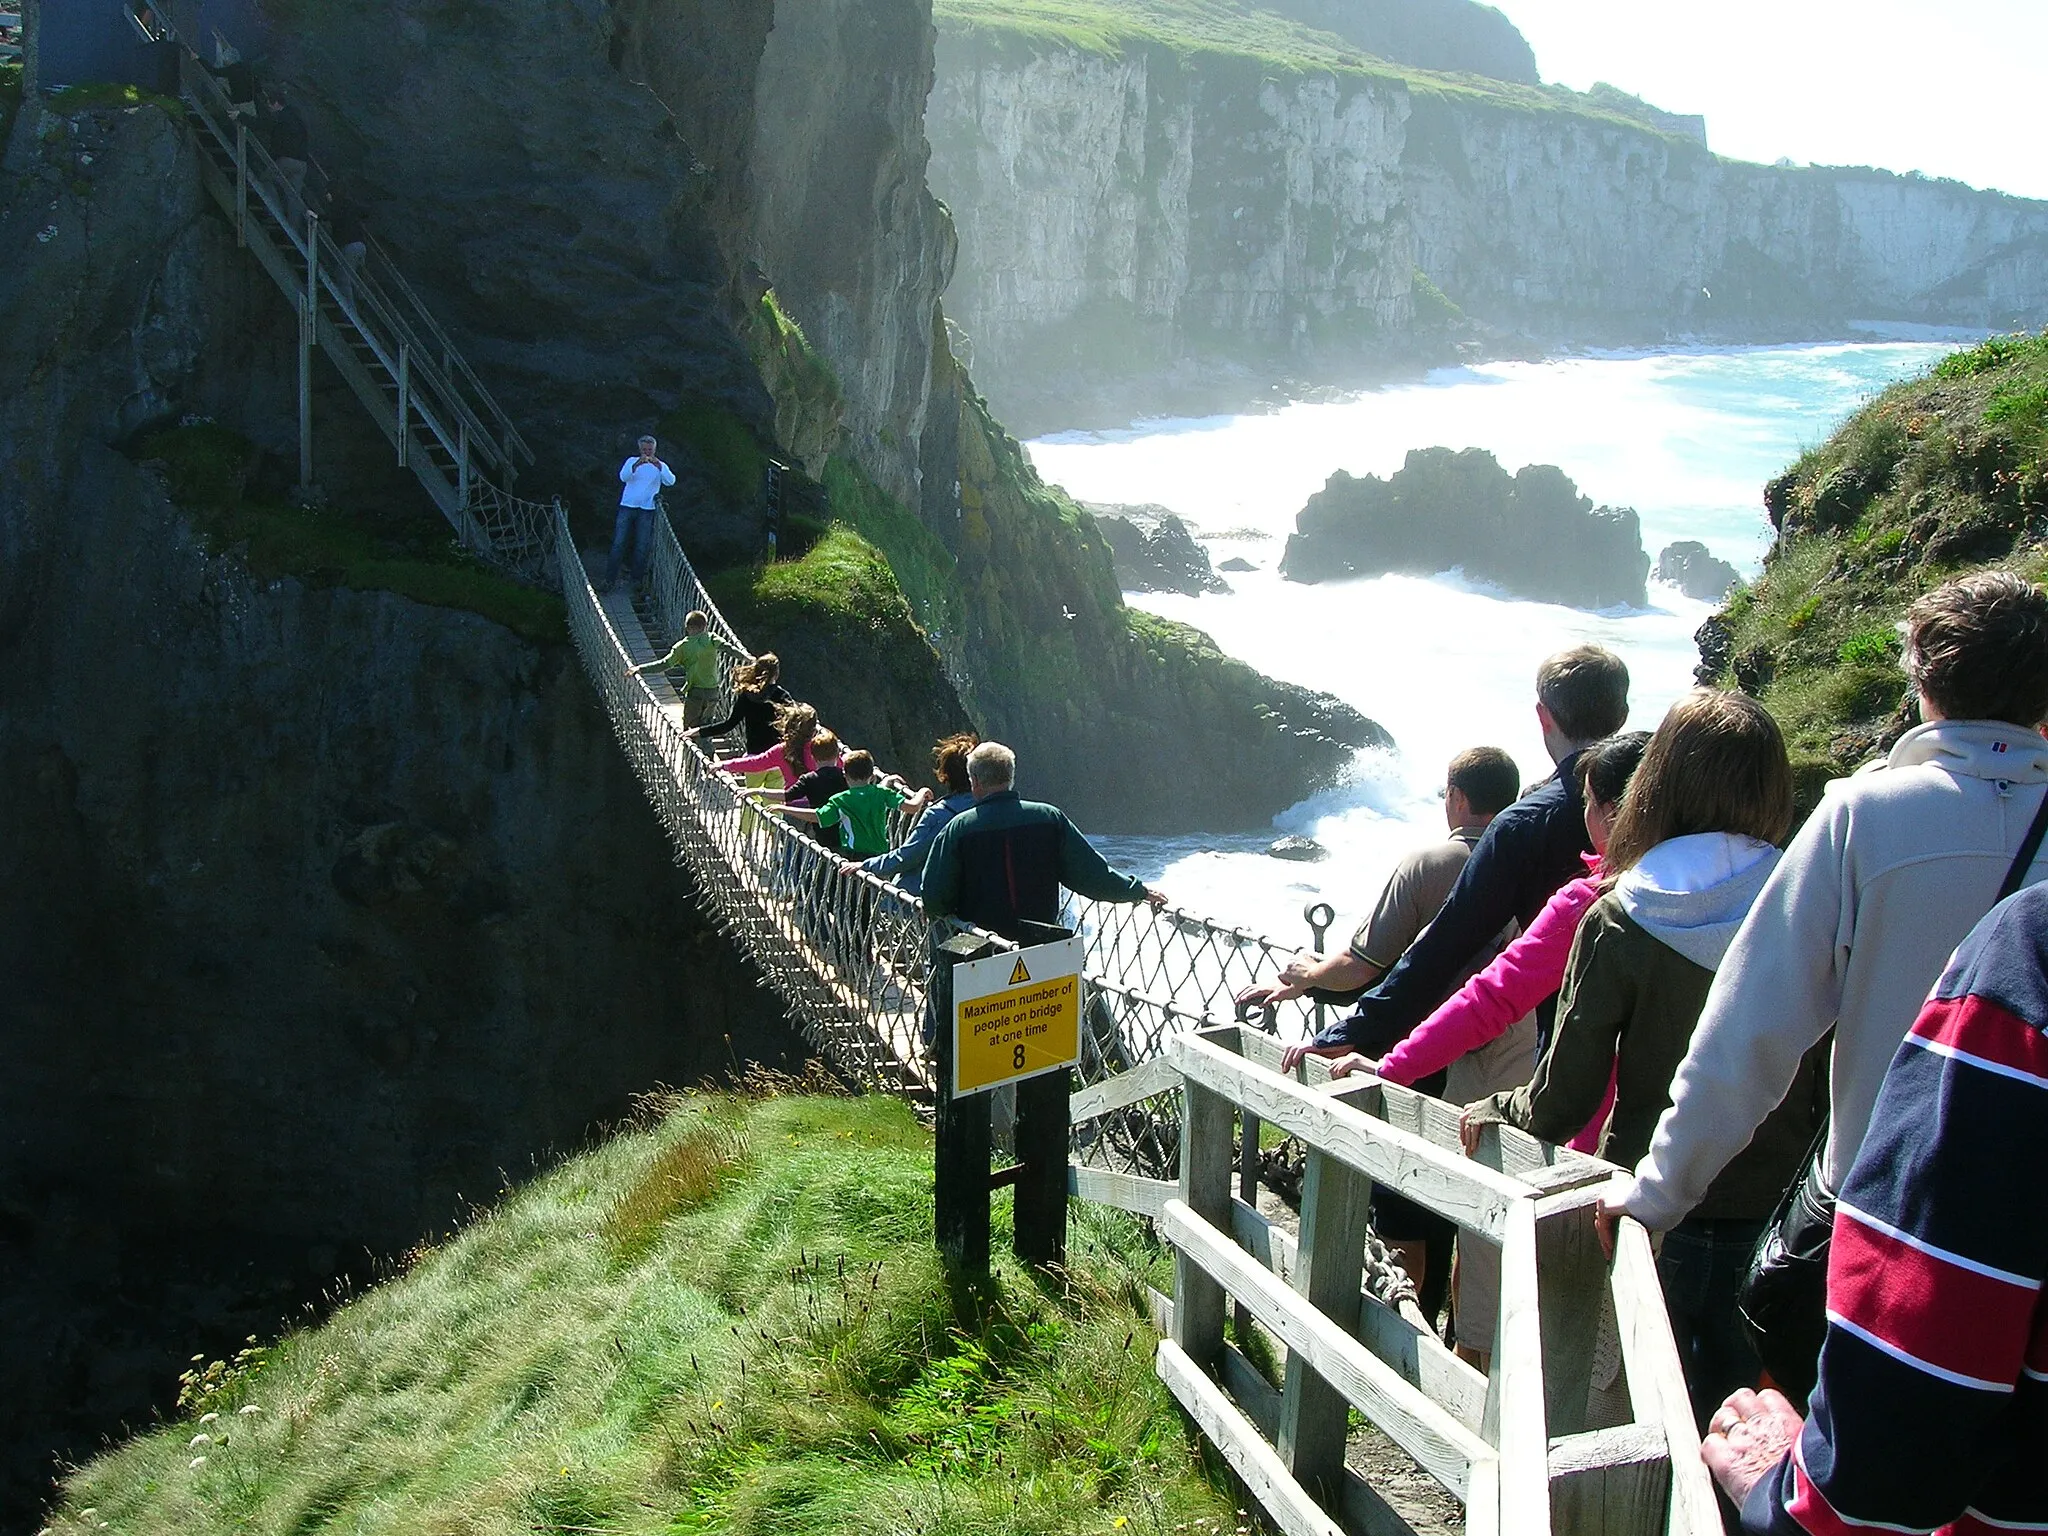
(1001, 862)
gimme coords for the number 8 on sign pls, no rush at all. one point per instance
(1017, 1058)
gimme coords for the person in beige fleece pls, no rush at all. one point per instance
(1875, 892)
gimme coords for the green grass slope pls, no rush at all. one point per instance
(730, 1321)
(1239, 29)
(1940, 475)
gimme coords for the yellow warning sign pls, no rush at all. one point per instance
(1016, 1015)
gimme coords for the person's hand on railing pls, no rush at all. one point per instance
(1291, 1057)
(1296, 977)
(1352, 1061)
(1156, 900)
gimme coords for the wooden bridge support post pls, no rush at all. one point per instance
(1043, 1133)
(961, 1151)
(1329, 1262)
(1205, 1148)
(404, 399)
(1043, 1138)
(309, 320)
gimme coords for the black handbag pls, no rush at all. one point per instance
(1783, 1299)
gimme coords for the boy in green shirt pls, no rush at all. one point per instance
(696, 656)
(863, 808)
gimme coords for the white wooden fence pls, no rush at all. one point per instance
(1528, 1448)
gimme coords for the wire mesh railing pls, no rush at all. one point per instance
(848, 952)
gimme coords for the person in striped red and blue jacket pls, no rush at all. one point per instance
(1932, 1408)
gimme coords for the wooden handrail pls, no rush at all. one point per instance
(359, 294)
(1515, 1445)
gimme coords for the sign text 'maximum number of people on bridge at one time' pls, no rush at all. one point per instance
(1016, 1015)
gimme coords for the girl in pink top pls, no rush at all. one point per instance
(792, 757)
(1532, 967)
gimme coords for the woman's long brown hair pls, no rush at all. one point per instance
(1717, 763)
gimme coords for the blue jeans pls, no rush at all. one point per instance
(634, 526)
(1701, 1266)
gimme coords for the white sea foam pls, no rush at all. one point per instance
(1686, 438)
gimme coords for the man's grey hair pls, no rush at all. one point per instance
(991, 766)
(646, 438)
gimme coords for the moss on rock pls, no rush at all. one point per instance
(215, 477)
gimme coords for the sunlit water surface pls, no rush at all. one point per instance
(1686, 438)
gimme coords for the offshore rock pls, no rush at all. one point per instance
(1532, 535)
(1298, 850)
(1689, 566)
(1153, 550)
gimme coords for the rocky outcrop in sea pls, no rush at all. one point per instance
(1531, 534)
(1696, 571)
(1153, 550)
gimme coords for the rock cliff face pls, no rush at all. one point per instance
(320, 909)
(1532, 534)
(1120, 210)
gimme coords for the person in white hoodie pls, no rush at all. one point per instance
(1853, 927)
(1695, 841)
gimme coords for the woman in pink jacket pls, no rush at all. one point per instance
(791, 757)
(1532, 967)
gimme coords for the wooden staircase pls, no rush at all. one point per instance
(401, 366)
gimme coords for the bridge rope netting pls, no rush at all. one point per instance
(849, 952)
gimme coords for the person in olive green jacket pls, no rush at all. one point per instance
(1695, 840)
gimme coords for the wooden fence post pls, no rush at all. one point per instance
(1571, 1283)
(1329, 1263)
(961, 1140)
(1205, 1189)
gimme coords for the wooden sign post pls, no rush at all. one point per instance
(1006, 1016)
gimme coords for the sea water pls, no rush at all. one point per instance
(1686, 438)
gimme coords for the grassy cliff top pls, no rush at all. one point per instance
(1242, 29)
(1940, 475)
(731, 1320)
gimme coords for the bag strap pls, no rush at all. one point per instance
(2023, 861)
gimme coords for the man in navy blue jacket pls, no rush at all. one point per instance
(1529, 850)
(1003, 862)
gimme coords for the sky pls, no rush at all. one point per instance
(1946, 87)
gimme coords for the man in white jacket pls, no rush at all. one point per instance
(642, 479)
(1877, 889)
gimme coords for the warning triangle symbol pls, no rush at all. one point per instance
(1018, 974)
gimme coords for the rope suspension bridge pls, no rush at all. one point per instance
(845, 951)
(1175, 1092)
